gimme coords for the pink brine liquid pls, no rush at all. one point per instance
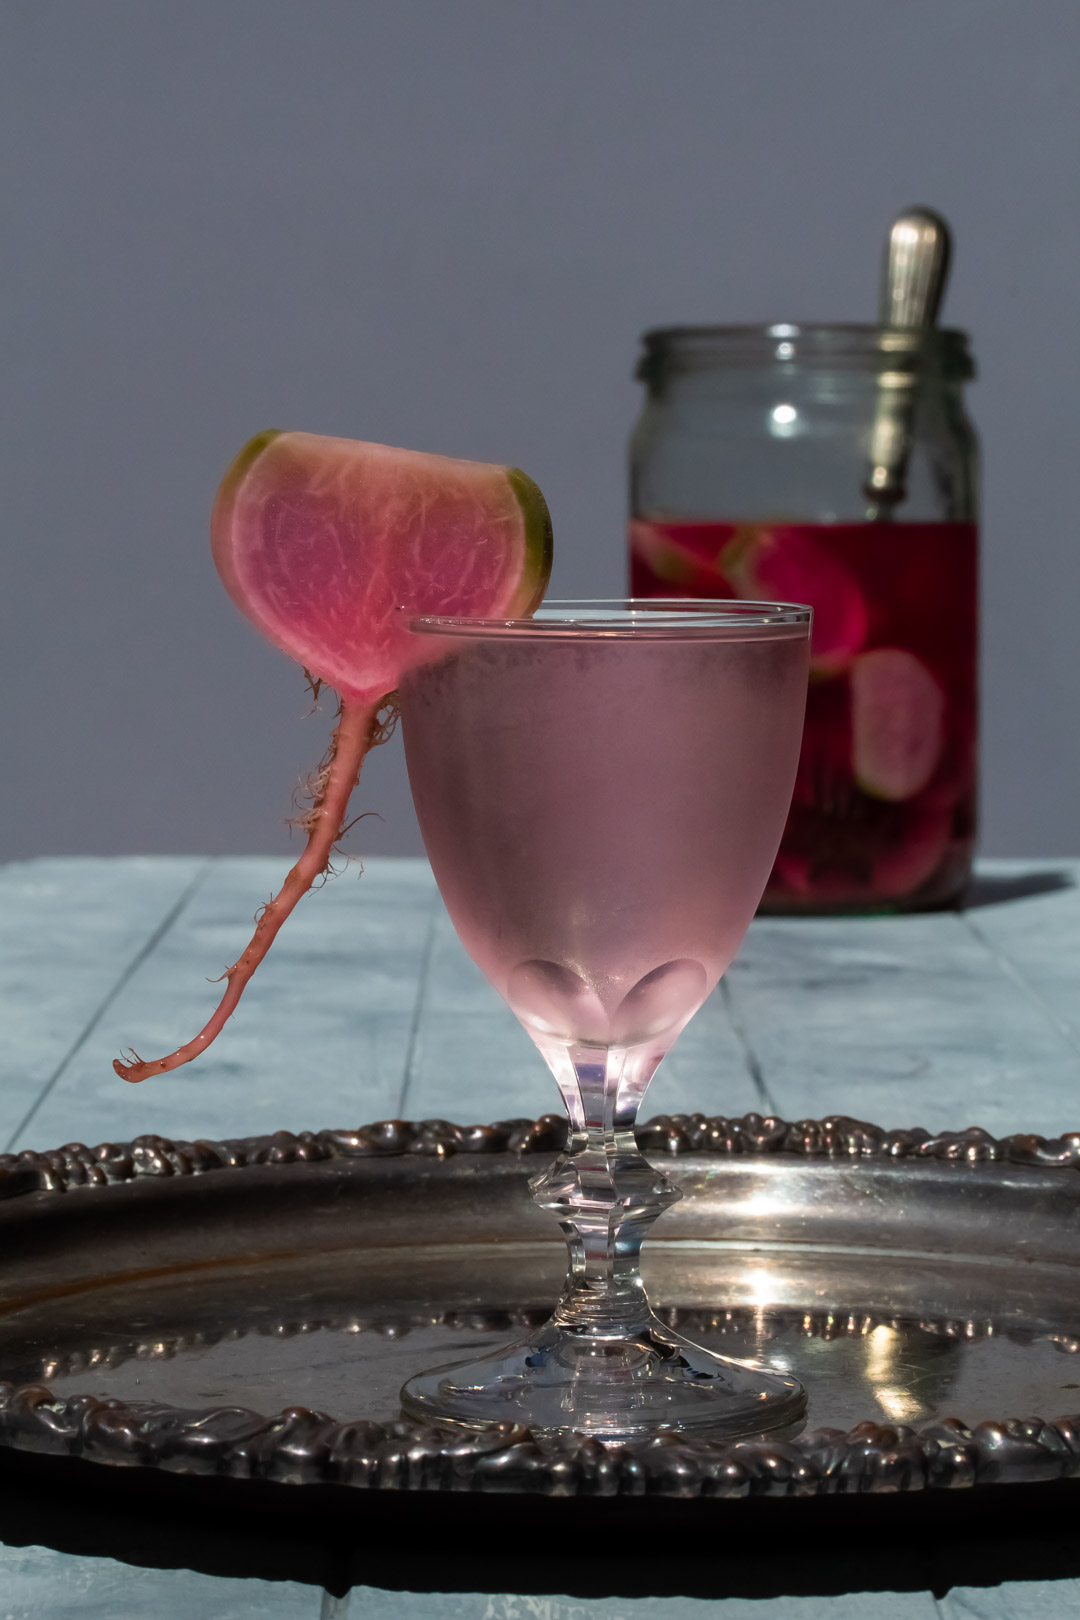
(601, 812)
(883, 815)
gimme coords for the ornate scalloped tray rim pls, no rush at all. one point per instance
(301, 1447)
(836, 1136)
(298, 1446)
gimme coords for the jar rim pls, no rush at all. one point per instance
(811, 343)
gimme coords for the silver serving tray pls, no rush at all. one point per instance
(249, 1309)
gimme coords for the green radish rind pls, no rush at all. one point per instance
(539, 544)
(236, 475)
(242, 463)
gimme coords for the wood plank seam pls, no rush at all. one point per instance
(412, 1051)
(1011, 971)
(750, 1057)
(145, 950)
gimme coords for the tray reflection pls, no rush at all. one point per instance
(891, 1337)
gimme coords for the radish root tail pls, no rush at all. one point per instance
(360, 727)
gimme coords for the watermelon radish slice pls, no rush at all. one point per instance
(897, 723)
(786, 565)
(320, 542)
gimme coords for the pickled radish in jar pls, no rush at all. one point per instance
(785, 565)
(897, 723)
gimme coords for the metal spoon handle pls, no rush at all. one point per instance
(916, 266)
(912, 286)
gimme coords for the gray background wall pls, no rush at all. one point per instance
(443, 223)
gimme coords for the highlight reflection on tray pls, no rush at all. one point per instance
(347, 1341)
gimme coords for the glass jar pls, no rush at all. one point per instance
(834, 465)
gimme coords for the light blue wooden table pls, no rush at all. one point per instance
(368, 1008)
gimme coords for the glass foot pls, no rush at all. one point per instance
(560, 1382)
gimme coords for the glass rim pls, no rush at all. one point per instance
(641, 617)
(810, 343)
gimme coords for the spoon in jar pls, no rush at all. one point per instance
(912, 286)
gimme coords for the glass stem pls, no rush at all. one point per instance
(602, 1190)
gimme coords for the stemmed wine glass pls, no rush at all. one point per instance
(601, 790)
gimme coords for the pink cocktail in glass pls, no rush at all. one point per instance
(601, 791)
